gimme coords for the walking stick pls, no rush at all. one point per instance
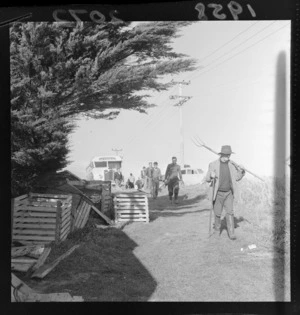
(199, 143)
(212, 206)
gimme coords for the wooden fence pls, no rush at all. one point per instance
(131, 207)
(41, 218)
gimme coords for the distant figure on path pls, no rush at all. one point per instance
(225, 175)
(149, 170)
(118, 177)
(172, 178)
(143, 176)
(156, 177)
(131, 181)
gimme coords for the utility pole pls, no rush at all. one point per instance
(117, 150)
(182, 100)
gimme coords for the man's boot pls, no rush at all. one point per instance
(230, 226)
(217, 225)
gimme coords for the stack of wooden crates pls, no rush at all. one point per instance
(41, 218)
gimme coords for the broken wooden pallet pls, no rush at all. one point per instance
(41, 218)
(20, 292)
(31, 250)
(35, 257)
(45, 269)
(85, 198)
(103, 188)
(41, 260)
(131, 206)
(22, 264)
(82, 214)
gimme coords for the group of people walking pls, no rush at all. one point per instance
(221, 175)
(152, 176)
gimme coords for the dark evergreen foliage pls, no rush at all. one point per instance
(61, 70)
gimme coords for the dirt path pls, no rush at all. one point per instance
(188, 266)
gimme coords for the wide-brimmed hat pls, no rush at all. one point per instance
(226, 149)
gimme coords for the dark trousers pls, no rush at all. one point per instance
(223, 200)
(130, 185)
(173, 187)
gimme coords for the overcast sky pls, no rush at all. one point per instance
(233, 102)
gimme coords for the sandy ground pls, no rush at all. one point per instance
(190, 266)
(170, 259)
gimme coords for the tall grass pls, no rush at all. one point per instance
(266, 206)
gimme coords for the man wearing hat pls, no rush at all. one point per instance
(225, 175)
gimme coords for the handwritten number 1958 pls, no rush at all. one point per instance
(234, 8)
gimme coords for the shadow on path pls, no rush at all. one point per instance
(103, 268)
(237, 220)
(161, 207)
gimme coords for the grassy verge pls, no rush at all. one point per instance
(266, 206)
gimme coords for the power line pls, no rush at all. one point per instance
(182, 100)
(235, 88)
(134, 137)
(140, 119)
(240, 44)
(162, 114)
(150, 119)
(217, 65)
(167, 113)
(242, 32)
(149, 123)
(225, 44)
(248, 47)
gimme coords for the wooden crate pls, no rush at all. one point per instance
(41, 218)
(131, 207)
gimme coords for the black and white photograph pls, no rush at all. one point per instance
(150, 161)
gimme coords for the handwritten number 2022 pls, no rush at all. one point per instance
(234, 8)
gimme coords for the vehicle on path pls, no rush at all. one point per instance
(104, 167)
(192, 176)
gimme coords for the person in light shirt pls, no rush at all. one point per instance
(149, 170)
(156, 177)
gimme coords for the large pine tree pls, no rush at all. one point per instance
(59, 70)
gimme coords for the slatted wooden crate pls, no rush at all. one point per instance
(131, 207)
(41, 218)
(81, 214)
